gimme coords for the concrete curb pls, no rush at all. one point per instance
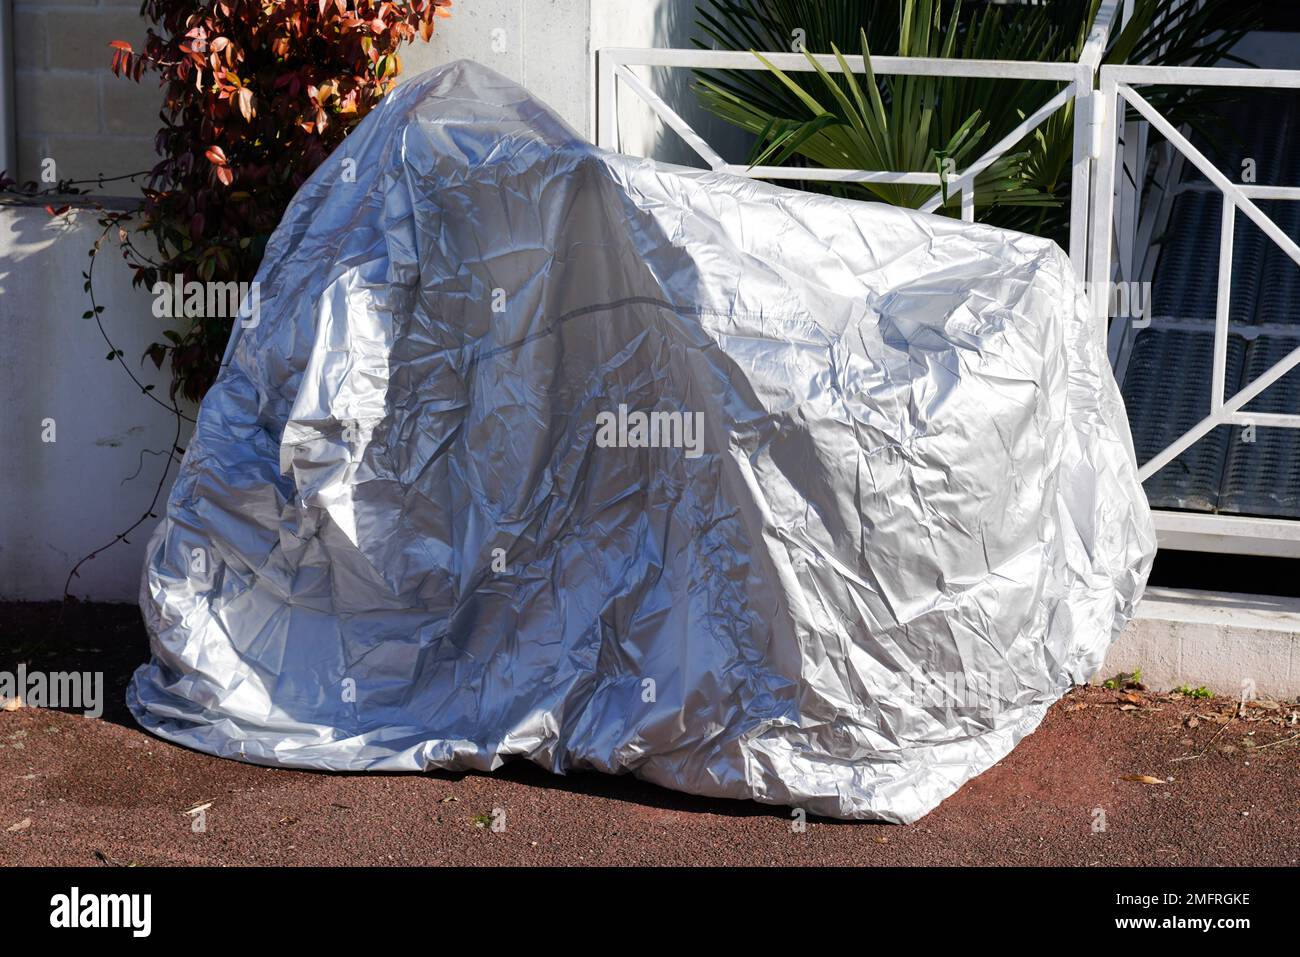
(1227, 642)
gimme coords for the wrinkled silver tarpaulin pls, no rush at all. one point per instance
(541, 451)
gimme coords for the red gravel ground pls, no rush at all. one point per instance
(79, 791)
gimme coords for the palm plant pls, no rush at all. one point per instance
(927, 123)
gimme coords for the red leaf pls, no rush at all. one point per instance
(120, 45)
(215, 156)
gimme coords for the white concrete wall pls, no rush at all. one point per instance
(549, 47)
(667, 23)
(68, 106)
(62, 499)
(541, 44)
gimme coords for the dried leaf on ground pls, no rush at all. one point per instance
(1143, 779)
(109, 861)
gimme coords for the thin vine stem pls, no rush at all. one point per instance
(109, 223)
(96, 309)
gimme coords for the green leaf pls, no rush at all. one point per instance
(912, 123)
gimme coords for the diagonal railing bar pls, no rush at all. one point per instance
(672, 118)
(1208, 169)
(967, 176)
(1223, 303)
(1222, 416)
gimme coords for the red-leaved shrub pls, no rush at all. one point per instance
(257, 94)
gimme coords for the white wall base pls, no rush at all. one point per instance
(1215, 639)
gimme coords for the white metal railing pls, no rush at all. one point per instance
(1196, 530)
(1117, 84)
(614, 67)
(1099, 226)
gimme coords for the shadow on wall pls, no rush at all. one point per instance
(85, 447)
(675, 26)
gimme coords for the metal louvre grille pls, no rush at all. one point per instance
(1170, 364)
(1165, 394)
(1255, 128)
(1262, 477)
(1279, 282)
(1184, 284)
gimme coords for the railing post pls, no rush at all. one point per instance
(1103, 206)
(1223, 304)
(606, 104)
(1081, 172)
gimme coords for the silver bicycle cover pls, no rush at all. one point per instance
(527, 449)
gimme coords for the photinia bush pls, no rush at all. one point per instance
(256, 95)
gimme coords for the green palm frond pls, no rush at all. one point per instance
(923, 123)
